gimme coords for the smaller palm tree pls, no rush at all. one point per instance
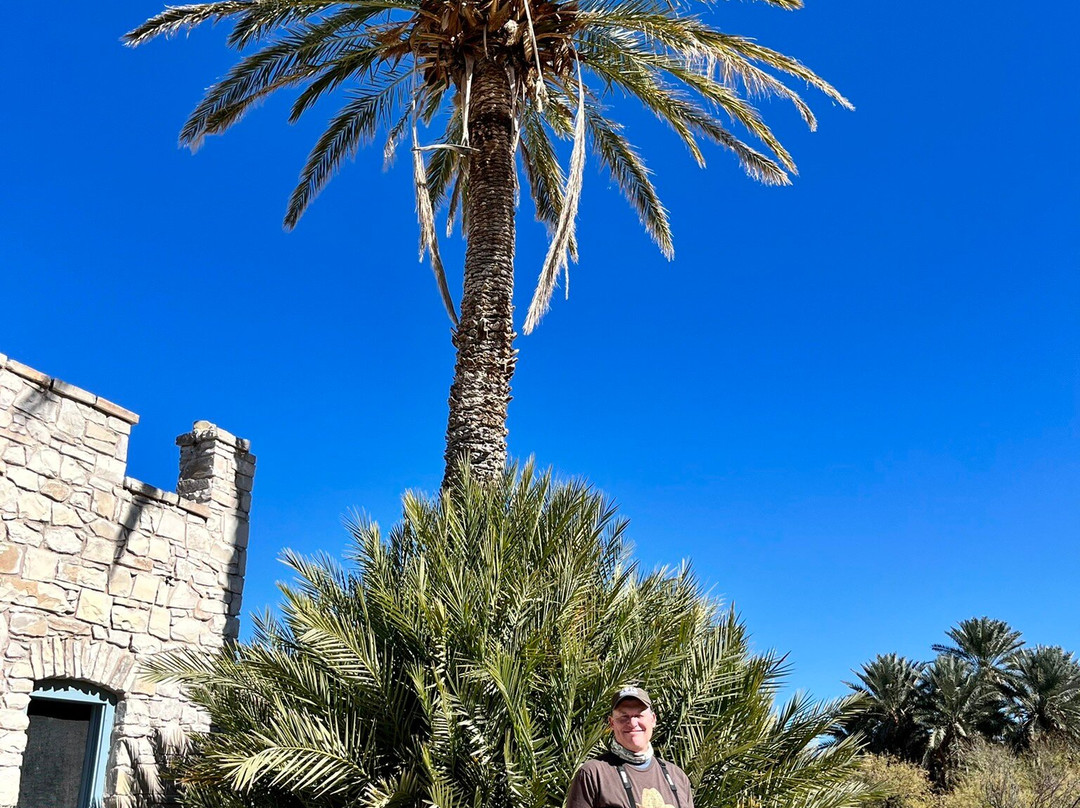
(466, 661)
(987, 645)
(956, 706)
(1044, 695)
(888, 699)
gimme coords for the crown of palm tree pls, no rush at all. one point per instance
(409, 61)
(984, 642)
(1044, 692)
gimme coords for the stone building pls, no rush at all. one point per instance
(98, 573)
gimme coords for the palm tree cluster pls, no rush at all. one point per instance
(499, 81)
(985, 685)
(466, 660)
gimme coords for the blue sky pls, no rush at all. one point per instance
(852, 403)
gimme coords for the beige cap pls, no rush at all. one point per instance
(628, 692)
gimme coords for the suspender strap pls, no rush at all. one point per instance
(670, 782)
(630, 789)
(626, 784)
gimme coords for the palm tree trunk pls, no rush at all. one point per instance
(485, 335)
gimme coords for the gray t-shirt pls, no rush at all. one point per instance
(597, 785)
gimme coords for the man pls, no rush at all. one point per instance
(629, 775)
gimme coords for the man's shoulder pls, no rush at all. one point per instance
(601, 763)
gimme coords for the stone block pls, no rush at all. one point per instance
(14, 454)
(126, 618)
(14, 720)
(144, 687)
(187, 629)
(34, 507)
(73, 392)
(196, 508)
(62, 540)
(144, 489)
(24, 533)
(183, 597)
(145, 587)
(159, 622)
(102, 433)
(92, 577)
(9, 497)
(101, 551)
(38, 404)
(111, 469)
(136, 563)
(223, 553)
(39, 565)
(106, 529)
(20, 670)
(9, 786)
(104, 504)
(118, 426)
(11, 556)
(119, 638)
(56, 490)
(68, 626)
(116, 411)
(172, 526)
(159, 550)
(45, 461)
(70, 419)
(94, 607)
(37, 594)
(28, 624)
(65, 516)
(24, 478)
(137, 544)
(207, 608)
(74, 471)
(121, 580)
(16, 701)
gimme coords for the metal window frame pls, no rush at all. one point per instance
(103, 714)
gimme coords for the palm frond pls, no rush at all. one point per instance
(633, 178)
(356, 123)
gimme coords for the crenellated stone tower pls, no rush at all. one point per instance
(99, 572)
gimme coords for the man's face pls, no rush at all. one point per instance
(632, 722)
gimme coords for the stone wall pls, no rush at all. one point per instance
(99, 572)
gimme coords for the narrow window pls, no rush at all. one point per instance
(67, 746)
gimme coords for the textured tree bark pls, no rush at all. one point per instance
(484, 339)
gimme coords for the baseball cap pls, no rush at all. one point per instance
(628, 692)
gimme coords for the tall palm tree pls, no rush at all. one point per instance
(499, 78)
(888, 699)
(984, 642)
(987, 645)
(466, 661)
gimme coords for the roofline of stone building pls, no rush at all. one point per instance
(62, 388)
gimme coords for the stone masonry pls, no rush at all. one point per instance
(100, 572)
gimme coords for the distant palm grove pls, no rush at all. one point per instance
(988, 722)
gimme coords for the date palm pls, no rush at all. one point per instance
(956, 707)
(498, 79)
(466, 660)
(987, 645)
(888, 698)
(1044, 695)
